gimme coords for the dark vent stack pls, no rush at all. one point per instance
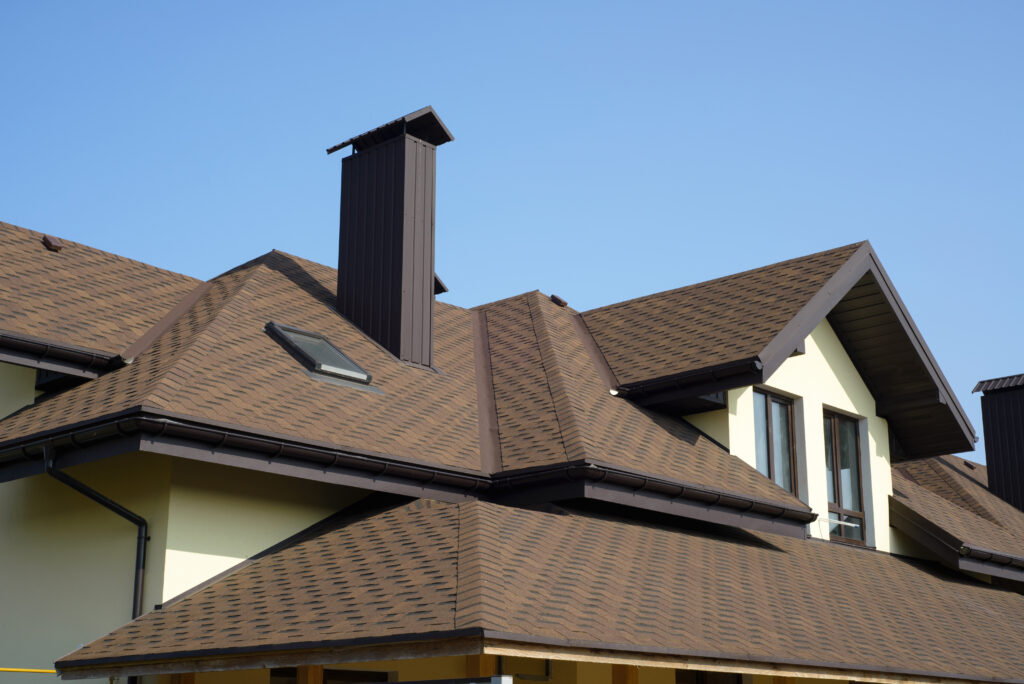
(386, 281)
(1002, 414)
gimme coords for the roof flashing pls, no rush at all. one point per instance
(317, 353)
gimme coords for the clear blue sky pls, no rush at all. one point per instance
(602, 151)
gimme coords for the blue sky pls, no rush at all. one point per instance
(602, 150)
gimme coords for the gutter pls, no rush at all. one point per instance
(147, 422)
(110, 504)
(700, 381)
(671, 489)
(62, 358)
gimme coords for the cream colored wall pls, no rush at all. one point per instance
(822, 378)
(67, 563)
(17, 388)
(219, 516)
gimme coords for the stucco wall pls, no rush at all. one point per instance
(823, 378)
(17, 387)
(219, 516)
(67, 563)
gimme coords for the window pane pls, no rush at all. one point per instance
(761, 432)
(854, 528)
(829, 460)
(834, 528)
(781, 462)
(849, 465)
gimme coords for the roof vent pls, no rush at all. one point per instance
(386, 281)
(53, 244)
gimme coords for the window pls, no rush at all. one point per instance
(773, 433)
(318, 353)
(842, 463)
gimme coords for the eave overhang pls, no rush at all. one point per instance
(592, 480)
(867, 314)
(479, 641)
(151, 430)
(952, 552)
(60, 357)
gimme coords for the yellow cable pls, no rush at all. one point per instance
(24, 669)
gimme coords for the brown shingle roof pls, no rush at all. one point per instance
(217, 364)
(575, 578)
(554, 407)
(80, 295)
(948, 494)
(711, 323)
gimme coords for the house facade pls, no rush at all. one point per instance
(301, 473)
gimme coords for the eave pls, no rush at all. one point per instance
(60, 357)
(952, 552)
(867, 314)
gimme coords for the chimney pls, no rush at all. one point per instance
(386, 281)
(1002, 415)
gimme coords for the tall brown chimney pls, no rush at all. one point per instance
(386, 280)
(1002, 414)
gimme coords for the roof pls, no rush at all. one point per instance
(944, 503)
(554, 577)
(712, 323)
(424, 124)
(666, 349)
(81, 296)
(1008, 382)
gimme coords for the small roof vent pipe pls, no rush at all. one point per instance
(386, 281)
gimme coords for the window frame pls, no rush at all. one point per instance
(281, 332)
(836, 482)
(769, 434)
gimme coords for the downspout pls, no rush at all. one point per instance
(137, 520)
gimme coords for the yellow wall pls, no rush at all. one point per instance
(17, 387)
(219, 516)
(67, 563)
(822, 378)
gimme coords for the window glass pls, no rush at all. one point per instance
(781, 448)
(318, 353)
(773, 443)
(761, 432)
(849, 465)
(842, 463)
(829, 460)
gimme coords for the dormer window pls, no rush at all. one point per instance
(318, 353)
(773, 432)
(842, 462)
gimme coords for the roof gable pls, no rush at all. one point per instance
(672, 347)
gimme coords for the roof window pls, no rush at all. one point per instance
(318, 353)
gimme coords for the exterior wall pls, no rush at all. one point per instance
(823, 378)
(17, 387)
(68, 564)
(219, 516)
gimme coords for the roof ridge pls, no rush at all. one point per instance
(480, 592)
(182, 363)
(72, 243)
(573, 439)
(976, 506)
(852, 247)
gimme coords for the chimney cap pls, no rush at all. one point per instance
(424, 124)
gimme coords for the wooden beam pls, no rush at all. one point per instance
(309, 674)
(579, 654)
(625, 674)
(481, 665)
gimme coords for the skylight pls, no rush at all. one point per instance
(318, 353)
